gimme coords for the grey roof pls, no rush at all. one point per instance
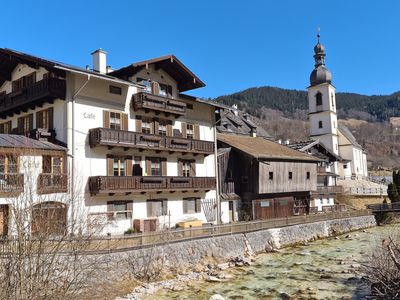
(19, 141)
(322, 150)
(234, 121)
(348, 135)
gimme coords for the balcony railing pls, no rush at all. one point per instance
(52, 183)
(329, 190)
(121, 138)
(228, 187)
(132, 184)
(144, 100)
(36, 94)
(11, 183)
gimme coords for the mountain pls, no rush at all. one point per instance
(349, 105)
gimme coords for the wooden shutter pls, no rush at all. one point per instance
(106, 119)
(155, 88)
(46, 164)
(110, 165)
(110, 210)
(2, 128)
(183, 129)
(164, 207)
(128, 162)
(180, 168)
(193, 168)
(148, 166)
(124, 121)
(20, 125)
(198, 205)
(39, 119)
(149, 205)
(130, 205)
(164, 167)
(169, 128)
(138, 124)
(185, 209)
(51, 118)
(156, 124)
(196, 133)
(30, 121)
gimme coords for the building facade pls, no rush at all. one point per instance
(139, 153)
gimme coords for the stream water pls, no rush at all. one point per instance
(323, 269)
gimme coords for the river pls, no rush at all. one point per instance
(323, 269)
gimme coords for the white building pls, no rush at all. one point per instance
(324, 124)
(139, 152)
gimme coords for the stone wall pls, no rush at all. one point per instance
(194, 255)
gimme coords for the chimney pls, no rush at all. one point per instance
(235, 109)
(100, 61)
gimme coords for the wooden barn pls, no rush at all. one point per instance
(271, 180)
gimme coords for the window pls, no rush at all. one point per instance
(115, 120)
(119, 210)
(290, 175)
(271, 176)
(155, 166)
(119, 166)
(320, 124)
(318, 97)
(8, 164)
(157, 207)
(308, 175)
(186, 168)
(6, 127)
(189, 131)
(333, 100)
(162, 128)
(115, 90)
(52, 164)
(146, 83)
(44, 119)
(191, 205)
(147, 126)
(25, 124)
(163, 89)
(345, 166)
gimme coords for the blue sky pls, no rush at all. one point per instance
(230, 45)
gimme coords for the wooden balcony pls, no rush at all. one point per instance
(158, 104)
(143, 184)
(329, 190)
(128, 139)
(46, 90)
(52, 183)
(11, 183)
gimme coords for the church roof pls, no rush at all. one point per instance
(348, 135)
(323, 151)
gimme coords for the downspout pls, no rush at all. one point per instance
(219, 219)
(71, 125)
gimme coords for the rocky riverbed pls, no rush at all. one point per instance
(323, 269)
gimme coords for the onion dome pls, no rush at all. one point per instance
(320, 74)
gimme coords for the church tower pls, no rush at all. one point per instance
(322, 102)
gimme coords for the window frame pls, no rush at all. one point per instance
(121, 169)
(113, 120)
(116, 90)
(290, 175)
(6, 164)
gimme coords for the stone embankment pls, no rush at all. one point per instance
(203, 255)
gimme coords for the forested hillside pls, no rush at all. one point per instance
(350, 105)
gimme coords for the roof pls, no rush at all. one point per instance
(262, 148)
(10, 58)
(169, 63)
(318, 145)
(235, 121)
(20, 141)
(348, 135)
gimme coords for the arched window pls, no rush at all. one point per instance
(320, 124)
(318, 97)
(333, 100)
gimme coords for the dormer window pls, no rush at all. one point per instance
(163, 90)
(318, 98)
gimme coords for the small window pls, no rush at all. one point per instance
(186, 165)
(333, 100)
(308, 175)
(157, 207)
(162, 128)
(163, 89)
(264, 203)
(320, 124)
(345, 166)
(8, 164)
(189, 131)
(115, 90)
(191, 205)
(146, 83)
(119, 210)
(115, 120)
(155, 166)
(271, 175)
(189, 106)
(290, 175)
(119, 166)
(318, 97)
(147, 126)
